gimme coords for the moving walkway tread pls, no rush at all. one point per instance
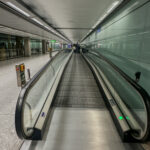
(78, 87)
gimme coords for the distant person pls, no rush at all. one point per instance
(73, 48)
(78, 48)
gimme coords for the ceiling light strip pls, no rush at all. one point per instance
(34, 19)
(114, 5)
(37, 21)
(110, 10)
(18, 9)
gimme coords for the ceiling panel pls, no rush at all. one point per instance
(70, 14)
(74, 34)
(15, 25)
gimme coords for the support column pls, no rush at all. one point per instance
(19, 46)
(47, 46)
(27, 47)
(62, 45)
(44, 46)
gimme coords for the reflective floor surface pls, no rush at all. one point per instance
(8, 97)
(80, 129)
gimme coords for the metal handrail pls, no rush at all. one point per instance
(144, 94)
(23, 94)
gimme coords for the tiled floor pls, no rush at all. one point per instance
(8, 97)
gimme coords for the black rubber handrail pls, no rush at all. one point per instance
(22, 96)
(145, 96)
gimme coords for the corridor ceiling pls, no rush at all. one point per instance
(73, 18)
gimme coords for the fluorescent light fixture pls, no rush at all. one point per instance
(17, 8)
(50, 29)
(103, 17)
(53, 31)
(37, 21)
(114, 5)
(47, 27)
(100, 19)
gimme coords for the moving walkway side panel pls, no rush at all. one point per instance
(132, 100)
(122, 126)
(31, 112)
(41, 122)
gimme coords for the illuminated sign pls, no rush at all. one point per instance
(53, 41)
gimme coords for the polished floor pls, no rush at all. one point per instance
(9, 94)
(79, 129)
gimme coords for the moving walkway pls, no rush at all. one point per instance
(82, 101)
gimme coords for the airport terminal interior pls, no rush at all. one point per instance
(74, 74)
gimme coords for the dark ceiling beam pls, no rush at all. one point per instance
(12, 28)
(73, 28)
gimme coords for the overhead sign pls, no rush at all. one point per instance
(69, 45)
(53, 41)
